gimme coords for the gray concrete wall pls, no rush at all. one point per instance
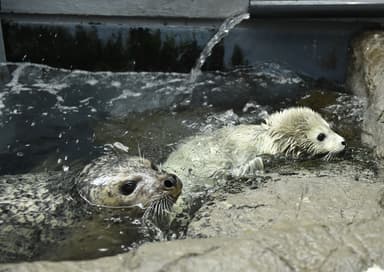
(133, 8)
(2, 50)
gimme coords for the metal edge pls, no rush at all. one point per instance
(288, 8)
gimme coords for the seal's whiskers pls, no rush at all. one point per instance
(159, 208)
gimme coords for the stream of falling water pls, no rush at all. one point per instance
(223, 31)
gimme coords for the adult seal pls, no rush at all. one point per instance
(36, 209)
(236, 150)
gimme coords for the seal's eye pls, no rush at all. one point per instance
(321, 137)
(128, 187)
(171, 181)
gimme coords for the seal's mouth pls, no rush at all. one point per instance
(330, 155)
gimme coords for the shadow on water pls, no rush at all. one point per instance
(56, 119)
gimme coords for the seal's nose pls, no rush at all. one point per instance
(172, 185)
(343, 143)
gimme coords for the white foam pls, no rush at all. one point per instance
(51, 88)
(116, 84)
(85, 100)
(375, 268)
(92, 82)
(14, 83)
(2, 106)
(124, 95)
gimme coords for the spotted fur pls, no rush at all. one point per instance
(38, 209)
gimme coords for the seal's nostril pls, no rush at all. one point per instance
(170, 182)
(343, 142)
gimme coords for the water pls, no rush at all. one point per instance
(223, 31)
(57, 120)
(57, 112)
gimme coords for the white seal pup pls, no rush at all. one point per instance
(236, 150)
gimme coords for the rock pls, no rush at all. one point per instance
(366, 78)
(315, 247)
(343, 194)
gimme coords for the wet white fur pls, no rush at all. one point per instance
(236, 150)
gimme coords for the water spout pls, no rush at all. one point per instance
(223, 31)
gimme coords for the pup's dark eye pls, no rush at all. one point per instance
(171, 181)
(128, 187)
(321, 137)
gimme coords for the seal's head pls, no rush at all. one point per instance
(122, 181)
(300, 130)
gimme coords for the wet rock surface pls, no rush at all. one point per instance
(366, 78)
(298, 219)
(344, 194)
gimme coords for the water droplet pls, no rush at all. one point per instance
(20, 154)
(65, 168)
(102, 249)
(60, 135)
(59, 161)
(33, 124)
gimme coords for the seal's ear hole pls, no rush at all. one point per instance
(321, 137)
(128, 187)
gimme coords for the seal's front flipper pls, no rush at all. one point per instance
(250, 168)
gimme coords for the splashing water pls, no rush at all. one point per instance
(224, 29)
